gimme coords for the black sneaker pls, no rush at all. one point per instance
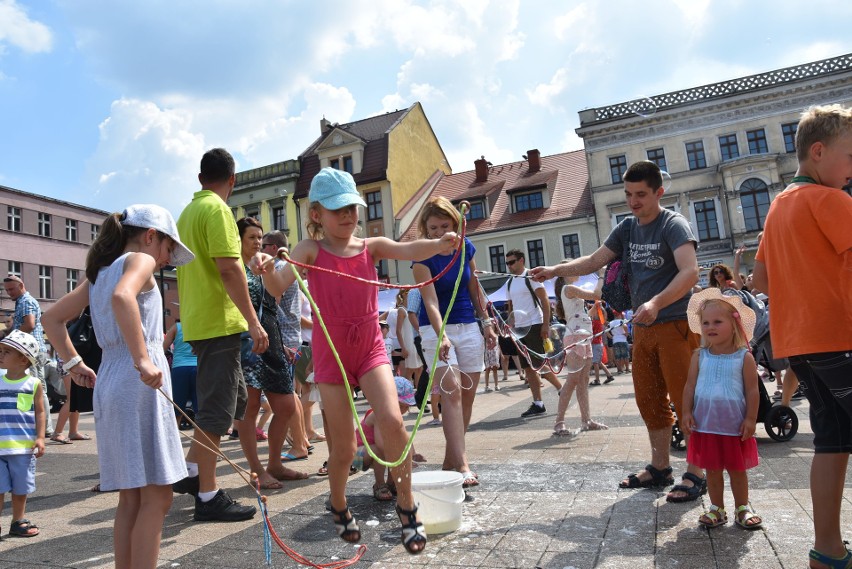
(534, 410)
(798, 394)
(234, 435)
(222, 509)
(188, 485)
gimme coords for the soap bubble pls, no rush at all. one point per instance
(578, 354)
(645, 107)
(519, 323)
(557, 331)
(739, 209)
(667, 180)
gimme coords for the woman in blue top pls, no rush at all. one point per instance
(461, 353)
(184, 370)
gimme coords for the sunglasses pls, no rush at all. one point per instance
(510, 263)
(267, 244)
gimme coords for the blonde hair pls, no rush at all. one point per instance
(314, 228)
(821, 124)
(739, 337)
(437, 207)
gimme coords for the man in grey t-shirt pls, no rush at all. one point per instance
(664, 269)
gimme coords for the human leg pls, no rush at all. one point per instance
(716, 515)
(789, 387)
(64, 413)
(340, 429)
(452, 417)
(126, 513)
(155, 501)
(283, 406)
(248, 439)
(468, 394)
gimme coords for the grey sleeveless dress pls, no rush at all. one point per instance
(137, 436)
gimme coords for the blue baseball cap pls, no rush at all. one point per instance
(404, 391)
(334, 189)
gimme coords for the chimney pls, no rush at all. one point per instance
(481, 167)
(534, 157)
(325, 125)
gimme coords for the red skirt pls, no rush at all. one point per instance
(721, 452)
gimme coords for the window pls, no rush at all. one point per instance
(346, 162)
(728, 146)
(617, 167)
(70, 231)
(253, 212)
(658, 157)
(571, 246)
(15, 268)
(44, 224)
(374, 205)
(70, 279)
(498, 258)
(476, 211)
(279, 218)
(13, 219)
(535, 253)
(705, 217)
(621, 217)
(789, 132)
(695, 155)
(382, 269)
(167, 312)
(44, 277)
(757, 141)
(754, 197)
(96, 229)
(523, 202)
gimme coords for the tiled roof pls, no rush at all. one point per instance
(565, 177)
(373, 131)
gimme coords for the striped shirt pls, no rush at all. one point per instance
(24, 306)
(17, 415)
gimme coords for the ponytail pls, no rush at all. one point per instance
(109, 245)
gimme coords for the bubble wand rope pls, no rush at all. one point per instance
(459, 255)
(269, 533)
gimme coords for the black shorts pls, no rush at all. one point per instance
(507, 346)
(534, 343)
(220, 386)
(825, 381)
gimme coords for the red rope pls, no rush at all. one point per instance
(298, 558)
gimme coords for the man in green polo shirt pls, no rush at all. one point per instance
(215, 308)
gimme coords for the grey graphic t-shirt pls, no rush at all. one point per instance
(652, 260)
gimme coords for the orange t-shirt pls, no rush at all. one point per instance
(807, 250)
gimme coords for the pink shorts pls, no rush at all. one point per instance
(360, 346)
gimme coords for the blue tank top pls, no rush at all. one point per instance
(719, 405)
(182, 353)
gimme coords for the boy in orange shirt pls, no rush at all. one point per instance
(804, 263)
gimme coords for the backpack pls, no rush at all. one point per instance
(526, 278)
(616, 287)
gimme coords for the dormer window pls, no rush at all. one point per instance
(476, 211)
(528, 200)
(342, 163)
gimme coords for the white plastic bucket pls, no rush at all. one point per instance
(439, 496)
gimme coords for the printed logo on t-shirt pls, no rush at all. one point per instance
(646, 254)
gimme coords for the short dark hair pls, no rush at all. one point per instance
(245, 222)
(644, 171)
(277, 238)
(217, 165)
(517, 253)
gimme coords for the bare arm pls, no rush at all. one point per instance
(752, 396)
(38, 402)
(541, 294)
(66, 309)
(417, 250)
(688, 421)
(479, 303)
(137, 276)
(234, 279)
(430, 303)
(169, 339)
(685, 279)
(575, 267)
(400, 322)
(28, 324)
(760, 278)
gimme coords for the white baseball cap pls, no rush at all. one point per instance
(151, 216)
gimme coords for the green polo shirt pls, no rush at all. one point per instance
(208, 229)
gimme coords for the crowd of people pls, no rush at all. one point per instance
(247, 342)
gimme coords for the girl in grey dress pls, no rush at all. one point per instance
(139, 450)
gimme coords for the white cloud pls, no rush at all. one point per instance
(17, 29)
(544, 93)
(574, 18)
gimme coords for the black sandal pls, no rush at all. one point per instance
(698, 488)
(659, 479)
(345, 524)
(412, 531)
(23, 528)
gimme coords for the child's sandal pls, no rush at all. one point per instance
(345, 524)
(844, 562)
(23, 528)
(714, 517)
(413, 532)
(746, 515)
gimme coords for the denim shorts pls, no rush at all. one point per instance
(621, 350)
(467, 353)
(17, 474)
(826, 380)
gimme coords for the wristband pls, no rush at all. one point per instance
(66, 367)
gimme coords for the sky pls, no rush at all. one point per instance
(111, 102)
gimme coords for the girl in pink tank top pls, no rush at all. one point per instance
(350, 312)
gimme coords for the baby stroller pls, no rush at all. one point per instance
(780, 421)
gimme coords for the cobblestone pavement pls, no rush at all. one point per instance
(549, 502)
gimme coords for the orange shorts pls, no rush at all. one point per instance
(661, 356)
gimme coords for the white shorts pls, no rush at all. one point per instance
(413, 360)
(467, 353)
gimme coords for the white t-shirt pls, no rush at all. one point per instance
(525, 309)
(307, 333)
(618, 335)
(393, 316)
